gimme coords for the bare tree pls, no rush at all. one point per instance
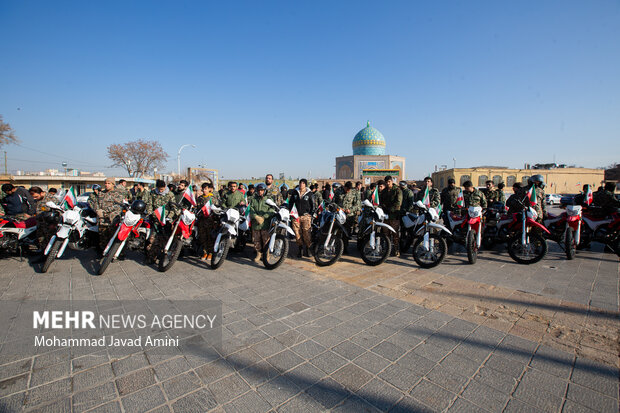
(7, 135)
(138, 157)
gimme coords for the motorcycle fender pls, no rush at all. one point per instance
(49, 245)
(287, 228)
(216, 245)
(63, 231)
(573, 218)
(272, 241)
(533, 223)
(439, 227)
(381, 224)
(124, 231)
(231, 229)
(473, 221)
(62, 248)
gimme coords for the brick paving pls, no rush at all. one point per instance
(347, 338)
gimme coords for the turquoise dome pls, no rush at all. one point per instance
(369, 141)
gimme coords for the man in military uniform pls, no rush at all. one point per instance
(180, 190)
(234, 198)
(433, 194)
(538, 182)
(500, 196)
(45, 230)
(160, 196)
(449, 196)
(368, 193)
(206, 223)
(318, 196)
(272, 191)
(489, 192)
(472, 196)
(108, 208)
(122, 188)
(407, 204)
(348, 200)
(260, 214)
(93, 198)
(606, 199)
(391, 199)
(142, 193)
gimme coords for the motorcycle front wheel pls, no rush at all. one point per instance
(272, 260)
(327, 256)
(569, 244)
(51, 256)
(108, 258)
(167, 260)
(531, 253)
(424, 257)
(218, 257)
(472, 247)
(380, 253)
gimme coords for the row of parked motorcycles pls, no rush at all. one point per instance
(428, 239)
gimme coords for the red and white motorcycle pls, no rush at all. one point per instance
(467, 230)
(565, 229)
(605, 230)
(527, 245)
(16, 235)
(132, 229)
(181, 234)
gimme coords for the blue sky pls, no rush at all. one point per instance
(284, 86)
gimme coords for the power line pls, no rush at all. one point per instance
(60, 157)
(52, 163)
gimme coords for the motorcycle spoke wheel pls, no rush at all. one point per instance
(218, 258)
(533, 251)
(569, 244)
(167, 260)
(272, 260)
(324, 256)
(426, 258)
(380, 253)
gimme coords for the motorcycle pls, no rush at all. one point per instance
(132, 230)
(226, 234)
(17, 235)
(373, 245)
(277, 248)
(527, 246)
(427, 236)
(565, 229)
(77, 229)
(467, 230)
(244, 233)
(180, 235)
(327, 238)
(494, 220)
(605, 230)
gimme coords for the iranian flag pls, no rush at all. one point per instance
(160, 214)
(189, 195)
(460, 200)
(321, 207)
(206, 208)
(247, 216)
(70, 199)
(531, 194)
(331, 194)
(439, 209)
(427, 198)
(589, 196)
(295, 213)
(375, 197)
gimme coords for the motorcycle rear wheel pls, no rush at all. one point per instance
(535, 252)
(324, 258)
(273, 260)
(569, 244)
(218, 257)
(472, 247)
(383, 246)
(108, 258)
(51, 256)
(166, 261)
(440, 247)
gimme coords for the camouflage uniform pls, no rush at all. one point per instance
(490, 195)
(500, 196)
(408, 202)
(206, 224)
(144, 195)
(318, 197)
(124, 192)
(260, 215)
(475, 198)
(433, 195)
(391, 201)
(110, 209)
(44, 229)
(158, 239)
(93, 200)
(449, 197)
(349, 200)
(274, 193)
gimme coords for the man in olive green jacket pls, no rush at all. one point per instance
(260, 215)
(234, 198)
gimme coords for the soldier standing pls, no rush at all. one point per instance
(499, 193)
(160, 196)
(122, 188)
(108, 208)
(272, 191)
(93, 198)
(45, 230)
(318, 196)
(260, 213)
(391, 198)
(142, 193)
(234, 198)
(490, 193)
(433, 194)
(472, 196)
(348, 200)
(304, 202)
(449, 196)
(407, 204)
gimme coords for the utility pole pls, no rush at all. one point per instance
(5, 167)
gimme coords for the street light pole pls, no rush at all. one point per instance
(179, 157)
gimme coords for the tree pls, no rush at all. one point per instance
(138, 157)
(7, 136)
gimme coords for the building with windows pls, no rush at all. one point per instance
(369, 163)
(557, 180)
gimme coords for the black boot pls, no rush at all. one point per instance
(306, 252)
(299, 252)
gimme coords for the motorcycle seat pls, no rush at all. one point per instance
(30, 222)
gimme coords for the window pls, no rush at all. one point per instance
(497, 179)
(482, 179)
(510, 180)
(465, 178)
(524, 179)
(441, 182)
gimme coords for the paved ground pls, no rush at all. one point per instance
(491, 337)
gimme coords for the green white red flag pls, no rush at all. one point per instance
(206, 208)
(189, 195)
(247, 216)
(460, 200)
(295, 213)
(426, 200)
(160, 214)
(375, 197)
(70, 199)
(321, 207)
(531, 194)
(589, 196)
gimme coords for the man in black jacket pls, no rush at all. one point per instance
(18, 203)
(303, 200)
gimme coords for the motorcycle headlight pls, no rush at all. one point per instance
(474, 212)
(232, 215)
(131, 219)
(284, 214)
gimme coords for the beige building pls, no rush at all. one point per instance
(557, 180)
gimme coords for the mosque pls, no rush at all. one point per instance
(369, 163)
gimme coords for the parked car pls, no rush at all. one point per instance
(552, 199)
(83, 197)
(567, 199)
